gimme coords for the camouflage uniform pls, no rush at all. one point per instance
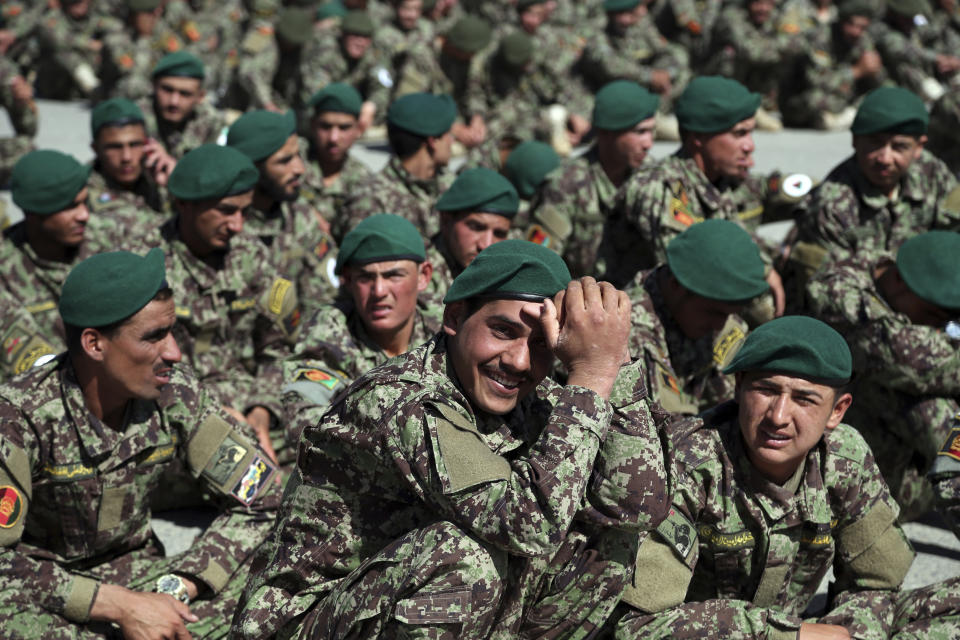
(911, 58)
(683, 375)
(270, 75)
(328, 200)
(404, 443)
(67, 46)
(742, 557)
(395, 47)
(428, 70)
(21, 338)
(945, 477)
(205, 124)
(394, 190)
(211, 29)
(689, 24)
(80, 494)
(907, 376)
(445, 266)
(943, 134)
(131, 58)
(130, 213)
(23, 118)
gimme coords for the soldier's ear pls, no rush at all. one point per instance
(453, 316)
(840, 406)
(92, 343)
(424, 274)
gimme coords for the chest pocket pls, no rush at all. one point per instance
(731, 553)
(814, 557)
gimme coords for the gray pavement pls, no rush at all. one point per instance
(65, 126)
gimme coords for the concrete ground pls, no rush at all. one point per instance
(65, 126)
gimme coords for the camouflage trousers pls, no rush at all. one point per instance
(439, 582)
(21, 619)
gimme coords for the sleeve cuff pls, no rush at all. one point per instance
(83, 591)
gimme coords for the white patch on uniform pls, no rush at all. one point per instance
(331, 267)
(797, 185)
(383, 75)
(105, 197)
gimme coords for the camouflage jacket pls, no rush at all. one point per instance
(394, 190)
(204, 125)
(325, 62)
(270, 75)
(632, 56)
(79, 490)
(395, 47)
(23, 116)
(428, 70)
(130, 59)
(328, 200)
(21, 338)
(745, 556)
(847, 215)
(69, 45)
(684, 375)
(689, 24)
(129, 213)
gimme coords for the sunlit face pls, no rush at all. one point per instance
(760, 11)
(66, 228)
(467, 234)
(175, 98)
(408, 12)
(533, 16)
(633, 144)
(854, 27)
(280, 173)
(498, 352)
(782, 418)
(209, 225)
(385, 293)
(884, 158)
(355, 46)
(138, 358)
(729, 154)
(334, 133)
(120, 152)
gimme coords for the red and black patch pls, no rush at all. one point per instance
(951, 446)
(11, 506)
(322, 249)
(318, 376)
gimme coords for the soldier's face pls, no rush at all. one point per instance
(385, 294)
(334, 134)
(534, 16)
(67, 227)
(408, 12)
(499, 352)
(355, 45)
(698, 316)
(208, 226)
(884, 158)
(120, 152)
(633, 144)
(623, 20)
(176, 98)
(76, 8)
(280, 173)
(854, 27)
(144, 22)
(442, 148)
(729, 154)
(782, 418)
(467, 234)
(760, 11)
(138, 357)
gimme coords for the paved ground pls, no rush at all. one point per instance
(65, 126)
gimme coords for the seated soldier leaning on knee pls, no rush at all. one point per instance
(86, 440)
(770, 493)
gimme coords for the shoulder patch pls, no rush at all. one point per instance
(796, 185)
(679, 532)
(538, 235)
(464, 459)
(253, 480)
(728, 343)
(277, 293)
(11, 506)
(951, 446)
(225, 461)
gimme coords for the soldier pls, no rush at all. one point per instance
(16, 97)
(689, 24)
(770, 492)
(893, 313)
(107, 418)
(402, 474)
(527, 167)
(271, 68)
(236, 316)
(178, 116)
(568, 217)
(22, 340)
(331, 172)
(418, 126)
(283, 220)
(945, 477)
(134, 52)
(405, 34)
(684, 318)
(889, 190)
(475, 212)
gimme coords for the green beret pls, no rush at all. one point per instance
(718, 260)
(619, 5)
(337, 96)
(258, 134)
(866, 8)
(380, 238)
(891, 110)
(621, 104)
(357, 23)
(909, 7)
(524, 4)
(115, 112)
(528, 164)
(930, 266)
(711, 104)
(47, 181)
(422, 114)
(108, 287)
(480, 189)
(295, 25)
(143, 5)
(212, 172)
(332, 9)
(181, 64)
(516, 49)
(512, 269)
(796, 345)
(470, 34)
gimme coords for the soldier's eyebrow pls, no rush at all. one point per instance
(498, 318)
(157, 333)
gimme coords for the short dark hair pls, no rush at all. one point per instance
(73, 332)
(404, 143)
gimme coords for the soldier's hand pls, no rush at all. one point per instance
(21, 90)
(869, 64)
(816, 631)
(142, 616)
(587, 326)
(259, 419)
(578, 127)
(367, 112)
(779, 295)
(660, 81)
(158, 161)
(947, 64)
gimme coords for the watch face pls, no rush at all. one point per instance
(168, 584)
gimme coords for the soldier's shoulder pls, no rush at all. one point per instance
(703, 443)
(329, 320)
(844, 442)
(34, 389)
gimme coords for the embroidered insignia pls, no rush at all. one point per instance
(797, 185)
(69, 472)
(750, 213)
(679, 532)
(322, 249)
(10, 343)
(13, 11)
(680, 205)
(316, 375)
(11, 506)
(182, 312)
(242, 304)
(727, 541)
(31, 356)
(951, 446)
(724, 344)
(667, 378)
(277, 293)
(257, 475)
(537, 235)
(225, 461)
(172, 44)
(190, 30)
(41, 306)
(817, 536)
(292, 321)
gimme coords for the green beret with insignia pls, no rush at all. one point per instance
(621, 104)
(211, 172)
(258, 134)
(470, 34)
(337, 96)
(516, 49)
(909, 7)
(711, 104)
(799, 346)
(108, 287)
(357, 23)
(512, 269)
(717, 259)
(611, 6)
(115, 112)
(143, 5)
(47, 181)
(891, 110)
(332, 9)
(180, 64)
(295, 25)
(480, 189)
(380, 238)
(929, 264)
(528, 164)
(422, 114)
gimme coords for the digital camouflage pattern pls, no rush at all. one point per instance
(21, 340)
(689, 24)
(685, 376)
(395, 46)
(945, 477)
(204, 125)
(911, 57)
(907, 376)
(70, 63)
(944, 130)
(79, 493)
(133, 214)
(23, 119)
(328, 200)
(428, 70)
(132, 58)
(270, 75)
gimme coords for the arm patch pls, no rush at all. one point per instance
(465, 460)
(662, 573)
